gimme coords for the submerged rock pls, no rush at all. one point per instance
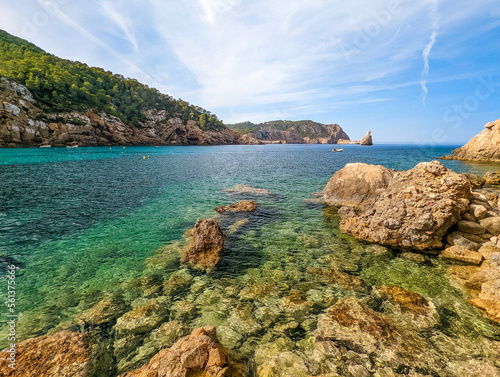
(411, 209)
(241, 206)
(143, 318)
(65, 354)
(104, 311)
(243, 189)
(198, 354)
(205, 245)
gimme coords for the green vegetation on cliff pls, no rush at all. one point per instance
(302, 128)
(61, 85)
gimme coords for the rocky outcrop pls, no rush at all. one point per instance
(198, 354)
(292, 132)
(205, 245)
(23, 123)
(367, 140)
(241, 206)
(409, 209)
(482, 147)
(65, 354)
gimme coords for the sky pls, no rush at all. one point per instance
(425, 71)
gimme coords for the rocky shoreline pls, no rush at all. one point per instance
(331, 319)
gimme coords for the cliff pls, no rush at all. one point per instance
(24, 123)
(46, 99)
(292, 132)
(483, 147)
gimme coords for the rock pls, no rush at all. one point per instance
(482, 147)
(492, 225)
(458, 239)
(492, 178)
(205, 245)
(11, 108)
(410, 209)
(242, 206)
(477, 211)
(104, 311)
(64, 354)
(489, 298)
(357, 326)
(367, 140)
(198, 354)
(243, 189)
(334, 276)
(284, 364)
(487, 250)
(355, 183)
(474, 180)
(408, 301)
(143, 318)
(478, 239)
(462, 254)
(470, 227)
(414, 257)
(477, 195)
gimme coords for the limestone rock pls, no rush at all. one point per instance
(482, 147)
(459, 239)
(367, 140)
(205, 245)
(470, 227)
(243, 189)
(492, 178)
(334, 276)
(198, 354)
(142, 318)
(358, 327)
(65, 354)
(461, 254)
(242, 206)
(411, 209)
(356, 183)
(104, 311)
(492, 225)
(474, 180)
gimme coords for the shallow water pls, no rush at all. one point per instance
(80, 222)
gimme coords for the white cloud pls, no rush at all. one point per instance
(434, 16)
(124, 23)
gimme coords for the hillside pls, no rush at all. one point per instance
(52, 100)
(298, 132)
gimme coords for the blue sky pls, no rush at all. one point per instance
(425, 71)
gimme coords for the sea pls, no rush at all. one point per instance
(80, 223)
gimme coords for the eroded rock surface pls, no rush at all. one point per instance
(205, 245)
(410, 209)
(241, 206)
(198, 354)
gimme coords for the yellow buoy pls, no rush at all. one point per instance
(144, 157)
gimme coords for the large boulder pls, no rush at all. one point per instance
(410, 209)
(205, 245)
(356, 183)
(482, 147)
(198, 354)
(65, 354)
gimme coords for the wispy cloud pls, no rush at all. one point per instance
(125, 23)
(434, 16)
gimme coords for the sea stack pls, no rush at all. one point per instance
(367, 140)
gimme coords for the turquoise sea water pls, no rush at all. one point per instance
(79, 222)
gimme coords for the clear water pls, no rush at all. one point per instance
(79, 222)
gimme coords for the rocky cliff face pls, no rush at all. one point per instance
(482, 147)
(23, 123)
(292, 132)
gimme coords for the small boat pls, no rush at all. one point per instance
(45, 146)
(72, 145)
(337, 150)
